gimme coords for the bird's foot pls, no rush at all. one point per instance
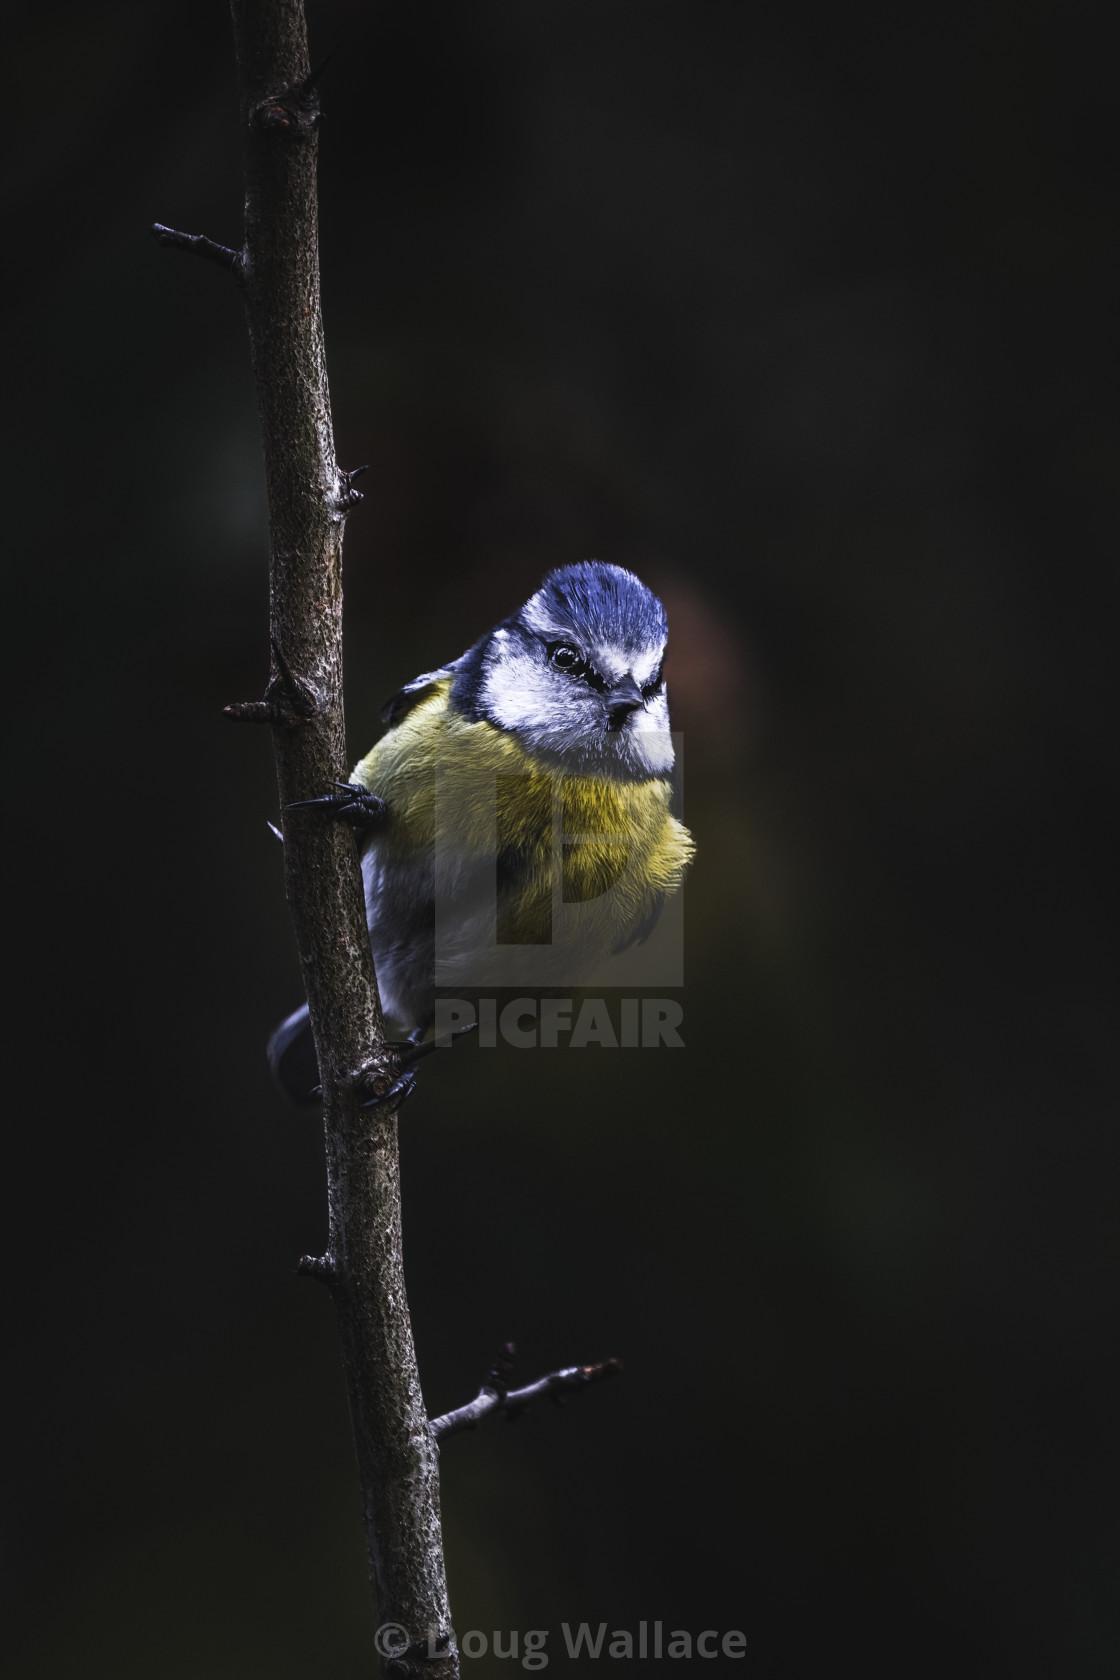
(354, 804)
(405, 1055)
(389, 1091)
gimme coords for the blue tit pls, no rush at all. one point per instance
(515, 819)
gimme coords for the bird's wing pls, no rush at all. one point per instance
(401, 703)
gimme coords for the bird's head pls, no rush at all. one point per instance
(578, 673)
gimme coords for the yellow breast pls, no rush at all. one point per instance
(473, 789)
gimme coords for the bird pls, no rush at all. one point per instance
(517, 820)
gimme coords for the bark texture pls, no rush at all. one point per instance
(308, 498)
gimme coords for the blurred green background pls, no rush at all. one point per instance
(808, 315)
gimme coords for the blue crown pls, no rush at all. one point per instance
(604, 603)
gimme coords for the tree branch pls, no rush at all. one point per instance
(202, 247)
(308, 498)
(513, 1401)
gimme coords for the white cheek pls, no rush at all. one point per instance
(519, 695)
(551, 713)
(507, 689)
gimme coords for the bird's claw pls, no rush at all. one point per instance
(406, 1053)
(396, 1091)
(354, 804)
(414, 1050)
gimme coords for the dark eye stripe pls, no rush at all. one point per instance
(579, 669)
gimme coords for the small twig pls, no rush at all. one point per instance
(259, 711)
(512, 1402)
(202, 247)
(288, 700)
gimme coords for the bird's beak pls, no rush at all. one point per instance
(625, 697)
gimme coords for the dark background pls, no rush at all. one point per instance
(807, 314)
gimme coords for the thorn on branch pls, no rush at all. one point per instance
(202, 247)
(351, 497)
(312, 77)
(493, 1398)
(303, 698)
(502, 1369)
(317, 1266)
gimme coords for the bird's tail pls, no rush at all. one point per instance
(292, 1058)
